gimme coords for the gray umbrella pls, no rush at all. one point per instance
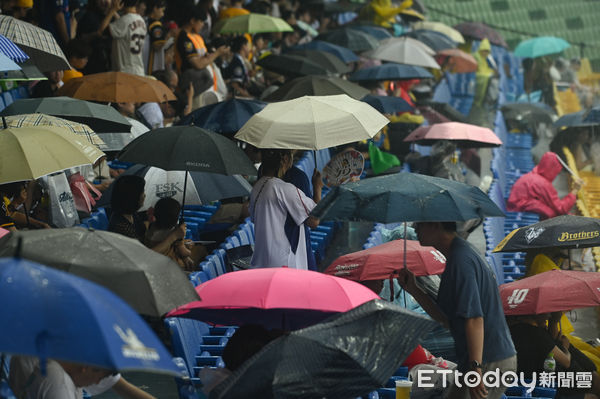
(346, 356)
(149, 282)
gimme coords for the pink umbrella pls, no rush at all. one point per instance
(382, 261)
(3, 232)
(274, 297)
(467, 136)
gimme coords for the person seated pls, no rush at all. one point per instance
(14, 198)
(534, 192)
(77, 52)
(166, 215)
(127, 197)
(534, 341)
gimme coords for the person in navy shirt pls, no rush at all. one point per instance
(468, 303)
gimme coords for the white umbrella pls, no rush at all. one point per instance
(404, 50)
(312, 123)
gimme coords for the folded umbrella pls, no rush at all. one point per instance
(436, 40)
(390, 71)
(292, 65)
(32, 152)
(312, 123)
(565, 231)
(480, 31)
(464, 134)
(342, 53)
(37, 43)
(99, 117)
(56, 315)
(330, 62)
(149, 282)
(404, 50)
(387, 104)
(347, 356)
(423, 198)
(117, 87)
(224, 117)
(352, 39)
(541, 46)
(316, 86)
(551, 291)
(274, 297)
(383, 261)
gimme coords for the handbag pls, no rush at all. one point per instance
(62, 207)
(82, 193)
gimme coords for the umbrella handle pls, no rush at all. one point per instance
(183, 199)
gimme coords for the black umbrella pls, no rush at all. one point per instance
(352, 39)
(436, 40)
(316, 86)
(566, 231)
(99, 117)
(574, 119)
(292, 65)
(390, 71)
(188, 148)
(347, 356)
(527, 113)
(447, 110)
(148, 281)
(422, 198)
(327, 60)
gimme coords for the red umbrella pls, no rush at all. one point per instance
(551, 291)
(456, 60)
(382, 261)
(468, 136)
(274, 297)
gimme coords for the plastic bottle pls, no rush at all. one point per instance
(550, 363)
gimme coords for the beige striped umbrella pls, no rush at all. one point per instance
(80, 129)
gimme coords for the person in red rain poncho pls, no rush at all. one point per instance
(534, 192)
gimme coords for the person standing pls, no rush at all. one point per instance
(56, 18)
(468, 303)
(128, 33)
(156, 40)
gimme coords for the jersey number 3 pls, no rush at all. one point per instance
(136, 43)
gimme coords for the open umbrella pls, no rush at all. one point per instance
(292, 65)
(456, 60)
(32, 152)
(224, 117)
(527, 113)
(149, 282)
(316, 86)
(423, 198)
(376, 31)
(79, 129)
(312, 123)
(274, 297)
(592, 116)
(382, 261)
(480, 31)
(39, 44)
(390, 71)
(566, 231)
(330, 62)
(466, 135)
(11, 50)
(342, 53)
(447, 110)
(28, 72)
(201, 187)
(541, 46)
(6, 64)
(352, 39)
(253, 23)
(387, 104)
(117, 87)
(57, 315)
(99, 117)
(574, 119)
(347, 356)
(441, 28)
(404, 50)
(551, 291)
(435, 40)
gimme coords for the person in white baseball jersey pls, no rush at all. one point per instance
(128, 33)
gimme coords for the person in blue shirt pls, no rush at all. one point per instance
(468, 303)
(56, 19)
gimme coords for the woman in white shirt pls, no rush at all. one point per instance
(271, 201)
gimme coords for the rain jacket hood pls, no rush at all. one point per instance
(549, 166)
